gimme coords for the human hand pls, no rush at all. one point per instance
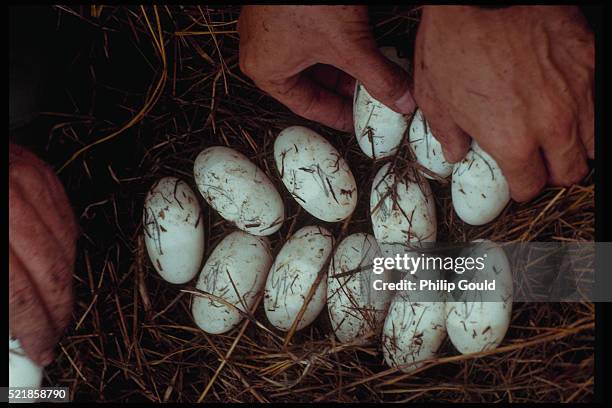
(308, 58)
(518, 80)
(42, 237)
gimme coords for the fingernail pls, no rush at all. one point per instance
(405, 104)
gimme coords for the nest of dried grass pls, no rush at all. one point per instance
(133, 337)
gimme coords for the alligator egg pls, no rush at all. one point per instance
(379, 130)
(355, 307)
(292, 276)
(173, 230)
(235, 272)
(426, 148)
(479, 189)
(23, 372)
(315, 174)
(239, 190)
(478, 321)
(402, 209)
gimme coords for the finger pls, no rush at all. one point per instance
(51, 271)
(62, 204)
(587, 124)
(522, 166)
(17, 156)
(308, 99)
(565, 155)
(333, 79)
(384, 80)
(29, 320)
(455, 142)
(36, 189)
(64, 211)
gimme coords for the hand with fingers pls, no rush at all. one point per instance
(518, 80)
(42, 237)
(308, 58)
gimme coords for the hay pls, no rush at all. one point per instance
(133, 338)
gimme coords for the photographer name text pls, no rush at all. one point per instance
(441, 285)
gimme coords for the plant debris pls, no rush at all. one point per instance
(133, 337)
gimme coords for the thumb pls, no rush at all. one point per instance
(386, 81)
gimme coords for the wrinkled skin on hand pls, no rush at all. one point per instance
(42, 243)
(518, 80)
(308, 58)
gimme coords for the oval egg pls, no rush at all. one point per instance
(479, 189)
(173, 230)
(474, 324)
(379, 130)
(426, 148)
(413, 332)
(23, 372)
(355, 308)
(403, 211)
(315, 174)
(236, 272)
(238, 190)
(292, 276)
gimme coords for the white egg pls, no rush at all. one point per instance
(315, 174)
(236, 271)
(379, 130)
(292, 276)
(403, 211)
(23, 372)
(174, 231)
(479, 189)
(355, 308)
(239, 190)
(477, 322)
(426, 148)
(413, 331)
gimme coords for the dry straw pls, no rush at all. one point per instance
(133, 337)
